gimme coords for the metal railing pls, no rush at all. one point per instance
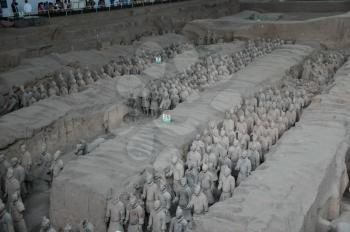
(82, 7)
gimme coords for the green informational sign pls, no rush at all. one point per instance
(158, 59)
(166, 117)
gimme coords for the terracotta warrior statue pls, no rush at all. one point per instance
(68, 228)
(244, 167)
(177, 171)
(46, 225)
(86, 226)
(6, 223)
(115, 215)
(135, 216)
(12, 185)
(17, 210)
(57, 165)
(227, 184)
(20, 175)
(157, 219)
(165, 200)
(207, 184)
(150, 193)
(199, 202)
(178, 223)
(183, 196)
(26, 162)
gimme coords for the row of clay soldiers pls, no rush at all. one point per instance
(77, 80)
(169, 92)
(150, 208)
(220, 159)
(192, 186)
(16, 179)
(9, 224)
(319, 69)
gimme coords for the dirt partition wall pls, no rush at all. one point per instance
(61, 122)
(329, 32)
(93, 30)
(296, 6)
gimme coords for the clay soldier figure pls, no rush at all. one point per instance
(213, 162)
(24, 96)
(154, 104)
(192, 176)
(242, 125)
(176, 171)
(20, 175)
(183, 196)
(68, 228)
(53, 89)
(165, 200)
(194, 158)
(229, 126)
(45, 163)
(207, 184)
(150, 193)
(36, 93)
(199, 202)
(256, 144)
(207, 139)
(26, 162)
(88, 78)
(86, 226)
(79, 78)
(81, 148)
(244, 167)
(273, 131)
(12, 102)
(12, 185)
(61, 80)
(6, 223)
(46, 225)
(17, 210)
(175, 100)
(213, 130)
(43, 92)
(224, 140)
(135, 216)
(145, 101)
(95, 76)
(115, 215)
(234, 151)
(63, 91)
(227, 184)
(4, 165)
(165, 103)
(254, 157)
(73, 86)
(56, 166)
(157, 219)
(199, 144)
(178, 223)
